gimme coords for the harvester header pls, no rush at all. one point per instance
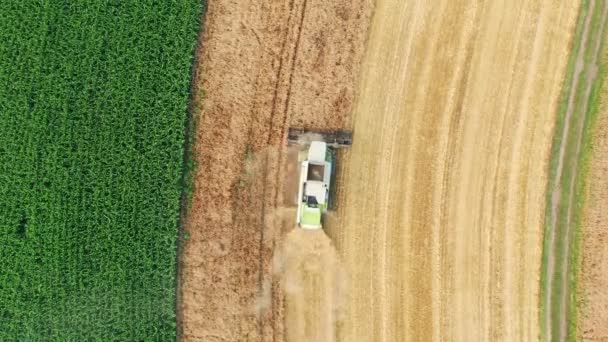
(334, 139)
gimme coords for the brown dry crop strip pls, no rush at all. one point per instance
(275, 164)
(248, 64)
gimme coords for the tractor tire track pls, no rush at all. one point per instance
(591, 67)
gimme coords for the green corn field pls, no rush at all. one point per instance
(93, 105)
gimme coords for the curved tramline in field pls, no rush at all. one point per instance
(566, 196)
(441, 228)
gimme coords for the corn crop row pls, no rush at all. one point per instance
(93, 101)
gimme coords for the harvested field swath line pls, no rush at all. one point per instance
(311, 280)
(441, 225)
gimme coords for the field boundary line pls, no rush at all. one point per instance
(189, 166)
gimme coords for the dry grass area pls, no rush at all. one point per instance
(593, 275)
(441, 226)
(263, 66)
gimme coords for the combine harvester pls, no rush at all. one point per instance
(317, 172)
